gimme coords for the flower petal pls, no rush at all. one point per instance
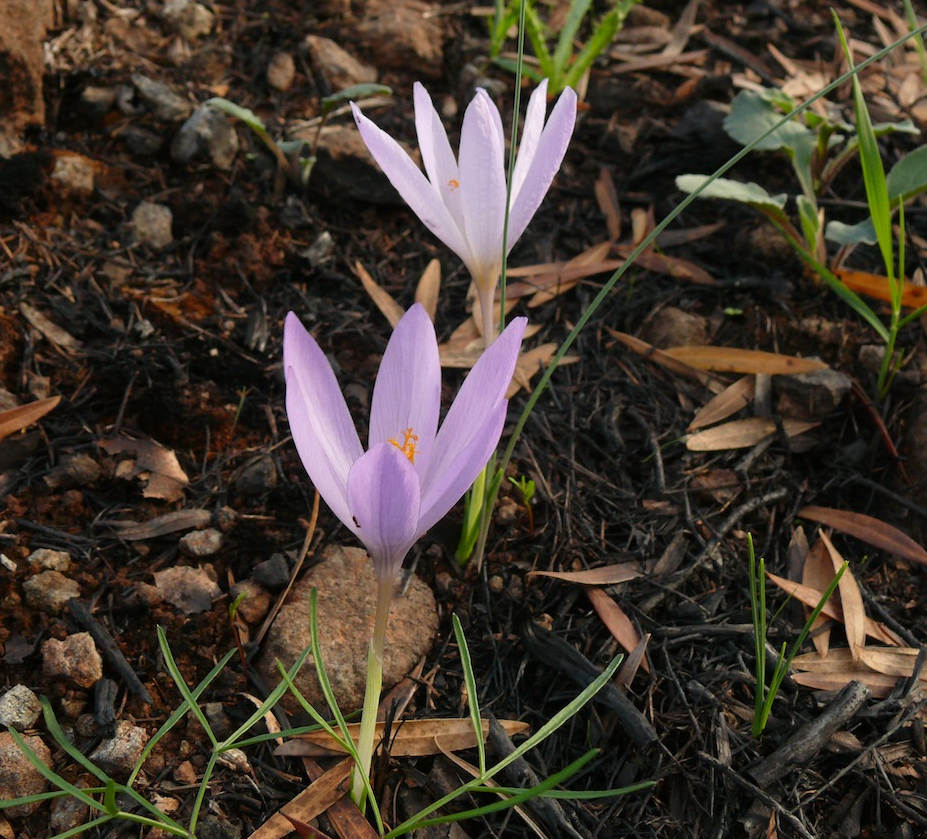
(437, 155)
(384, 494)
(412, 185)
(407, 393)
(545, 164)
(472, 427)
(531, 133)
(482, 186)
(321, 424)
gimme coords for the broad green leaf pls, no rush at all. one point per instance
(861, 233)
(908, 176)
(246, 115)
(752, 115)
(810, 220)
(747, 193)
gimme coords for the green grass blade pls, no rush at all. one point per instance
(473, 701)
(177, 677)
(564, 48)
(571, 795)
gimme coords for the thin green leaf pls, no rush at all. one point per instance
(564, 48)
(177, 677)
(571, 795)
(473, 701)
(357, 91)
(746, 193)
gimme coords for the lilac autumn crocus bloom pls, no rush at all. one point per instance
(412, 472)
(462, 201)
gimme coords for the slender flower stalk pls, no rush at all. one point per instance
(462, 200)
(412, 472)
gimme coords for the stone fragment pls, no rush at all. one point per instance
(201, 543)
(207, 133)
(672, 327)
(404, 33)
(72, 176)
(347, 600)
(49, 560)
(98, 100)
(142, 141)
(273, 573)
(50, 591)
(188, 589)
(218, 720)
(151, 225)
(119, 755)
(256, 601)
(190, 20)
(339, 68)
(75, 659)
(19, 708)
(281, 71)
(811, 396)
(184, 773)
(257, 477)
(161, 100)
(74, 470)
(18, 777)
(68, 812)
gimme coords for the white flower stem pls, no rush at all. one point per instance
(487, 310)
(372, 693)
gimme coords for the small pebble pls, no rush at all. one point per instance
(190, 20)
(18, 777)
(281, 71)
(72, 176)
(496, 584)
(75, 659)
(257, 478)
(184, 773)
(50, 591)
(201, 543)
(207, 133)
(255, 604)
(151, 225)
(68, 812)
(273, 573)
(49, 560)
(119, 754)
(163, 102)
(19, 708)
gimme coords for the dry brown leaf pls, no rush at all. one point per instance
(892, 661)
(607, 575)
(414, 738)
(429, 287)
(61, 338)
(734, 360)
(16, 419)
(817, 573)
(173, 522)
(851, 601)
(382, 299)
(880, 684)
(616, 621)
(642, 348)
(607, 198)
(839, 668)
(876, 286)
(811, 597)
(531, 363)
(727, 403)
(311, 802)
(154, 464)
(742, 434)
(867, 529)
(672, 266)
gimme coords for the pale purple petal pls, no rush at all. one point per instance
(482, 186)
(472, 427)
(531, 133)
(320, 422)
(384, 494)
(437, 155)
(412, 185)
(407, 393)
(544, 166)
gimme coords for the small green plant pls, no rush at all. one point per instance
(294, 160)
(562, 65)
(766, 694)
(525, 488)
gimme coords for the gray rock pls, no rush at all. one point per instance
(207, 133)
(68, 812)
(18, 777)
(189, 589)
(218, 720)
(19, 708)
(161, 100)
(190, 20)
(281, 71)
(50, 591)
(340, 69)
(75, 659)
(142, 141)
(257, 477)
(119, 754)
(151, 225)
(72, 176)
(49, 560)
(346, 604)
(273, 573)
(201, 543)
(256, 602)
(811, 396)
(402, 34)
(74, 470)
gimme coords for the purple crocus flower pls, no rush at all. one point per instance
(462, 201)
(412, 473)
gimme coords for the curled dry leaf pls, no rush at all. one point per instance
(734, 360)
(414, 738)
(817, 573)
(616, 621)
(732, 399)
(851, 601)
(877, 667)
(16, 419)
(429, 288)
(606, 575)
(154, 464)
(870, 530)
(61, 338)
(874, 285)
(742, 434)
(162, 525)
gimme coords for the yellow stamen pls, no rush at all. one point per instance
(407, 447)
(453, 183)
